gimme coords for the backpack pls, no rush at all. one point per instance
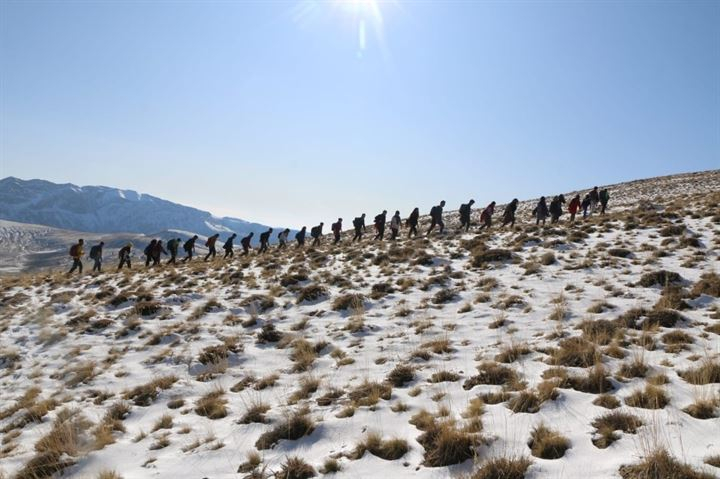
(188, 246)
(379, 219)
(434, 212)
(74, 250)
(207, 242)
(464, 209)
(357, 222)
(147, 250)
(315, 231)
(94, 252)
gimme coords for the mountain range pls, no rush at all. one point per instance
(102, 209)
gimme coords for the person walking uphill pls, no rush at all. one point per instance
(316, 233)
(228, 246)
(157, 251)
(574, 207)
(124, 255)
(282, 238)
(173, 245)
(395, 223)
(76, 253)
(265, 240)
(300, 237)
(486, 216)
(585, 205)
(541, 211)
(210, 244)
(379, 222)
(337, 230)
(149, 252)
(604, 198)
(412, 222)
(359, 225)
(96, 256)
(436, 218)
(594, 199)
(189, 248)
(555, 209)
(245, 243)
(509, 213)
(465, 215)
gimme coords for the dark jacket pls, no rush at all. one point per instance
(316, 231)
(380, 220)
(413, 218)
(245, 242)
(359, 222)
(189, 244)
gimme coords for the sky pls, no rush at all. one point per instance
(294, 112)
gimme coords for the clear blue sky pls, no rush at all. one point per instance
(284, 112)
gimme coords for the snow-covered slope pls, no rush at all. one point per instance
(100, 209)
(453, 349)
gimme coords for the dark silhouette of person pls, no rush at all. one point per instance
(436, 218)
(359, 225)
(380, 225)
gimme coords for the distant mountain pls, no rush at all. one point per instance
(101, 209)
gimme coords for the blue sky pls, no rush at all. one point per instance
(279, 112)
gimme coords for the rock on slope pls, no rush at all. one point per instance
(541, 351)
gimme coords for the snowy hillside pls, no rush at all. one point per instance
(576, 350)
(100, 209)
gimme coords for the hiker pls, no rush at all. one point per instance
(541, 211)
(228, 246)
(395, 223)
(189, 248)
(465, 215)
(486, 216)
(148, 252)
(509, 213)
(337, 229)
(300, 237)
(436, 218)
(594, 199)
(604, 198)
(96, 255)
(282, 238)
(316, 233)
(555, 209)
(412, 222)
(157, 251)
(264, 240)
(210, 243)
(245, 243)
(585, 205)
(76, 253)
(124, 255)
(172, 247)
(379, 222)
(359, 225)
(574, 207)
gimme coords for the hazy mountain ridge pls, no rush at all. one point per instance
(102, 209)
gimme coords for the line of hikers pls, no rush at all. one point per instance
(156, 249)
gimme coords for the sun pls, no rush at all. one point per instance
(367, 13)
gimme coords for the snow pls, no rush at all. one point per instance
(387, 340)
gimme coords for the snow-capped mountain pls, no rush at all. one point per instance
(101, 209)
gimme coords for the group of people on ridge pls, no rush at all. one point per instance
(155, 249)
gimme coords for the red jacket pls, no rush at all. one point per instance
(574, 205)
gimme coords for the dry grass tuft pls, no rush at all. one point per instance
(708, 372)
(607, 424)
(659, 464)
(212, 405)
(295, 468)
(401, 375)
(502, 468)
(293, 427)
(388, 449)
(546, 443)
